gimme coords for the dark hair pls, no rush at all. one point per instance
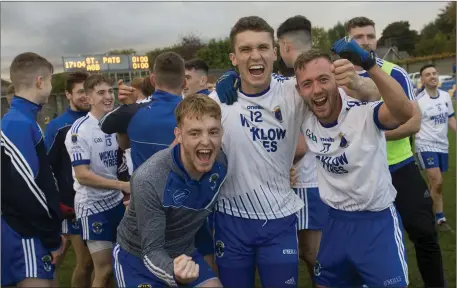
(197, 64)
(358, 22)
(293, 24)
(308, 56)
(250, 23)
(146, 87)
(26, 66)
(75, 78)
(94, 80)
(425, 67)
(169, 70)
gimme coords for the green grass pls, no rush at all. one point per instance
(447, 240)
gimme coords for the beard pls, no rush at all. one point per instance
(82, 108)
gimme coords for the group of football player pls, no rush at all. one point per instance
(184, 186)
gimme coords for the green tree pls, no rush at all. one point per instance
(58, 82)
(336, 32)
(320, 39)
(122, 51)
(216, 53)
(399, 34)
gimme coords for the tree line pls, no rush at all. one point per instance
(436, 37)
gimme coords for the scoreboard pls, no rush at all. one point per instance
(106, 63)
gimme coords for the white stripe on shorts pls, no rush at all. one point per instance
(28, 246)
(65, 226)
(303, 217)
(118, 268)
(399, 240)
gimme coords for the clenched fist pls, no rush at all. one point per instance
(186, 271)
(125, 93)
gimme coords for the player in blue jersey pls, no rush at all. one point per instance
(31, 217)
(156, 116)
(98, 199)
(413, 199)
(172, 194)
(196, 77)
(56, 132)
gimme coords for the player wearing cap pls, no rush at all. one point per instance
(431, 143)
(56, 132)
(98, 199)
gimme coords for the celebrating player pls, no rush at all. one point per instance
(432, 145)
(31, 216)
(173, 192)
(196, 77)
(56, 132)
(362, 242)
(255, 215)
(98, 200)
(158, 116)
(413, 200)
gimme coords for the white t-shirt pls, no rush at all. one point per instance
(351, 160)
(306, 169)
(88, 145)
(432, 137)
(260, 139)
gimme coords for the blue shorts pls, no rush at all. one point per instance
(362, 248)
(315, 212)
(71, 227)
(102, 226)
(244, 244)
(204, 240)
(429, 160)
(130, 271)
(23, 258)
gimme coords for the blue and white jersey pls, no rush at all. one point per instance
(432, 137)
(306, 168)
(260, 139)
(351, 160)
(88, 145)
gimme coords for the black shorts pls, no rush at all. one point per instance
(413, 200)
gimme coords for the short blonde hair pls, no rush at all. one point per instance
(309, 56)
(197, 105)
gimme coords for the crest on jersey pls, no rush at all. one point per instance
(180, 195)
(220, 248)
(278, 114)
(213, 180)
(74, 138)
(144, 285)
(46, 259)
(74, 223)
(97, 227)
(343, 142)
(317, 269)
(430, 161)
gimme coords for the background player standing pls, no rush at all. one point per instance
(31, 216)
(56, 132)
(98, 200)
(432, 145)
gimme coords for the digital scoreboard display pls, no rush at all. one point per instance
(105, 63)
